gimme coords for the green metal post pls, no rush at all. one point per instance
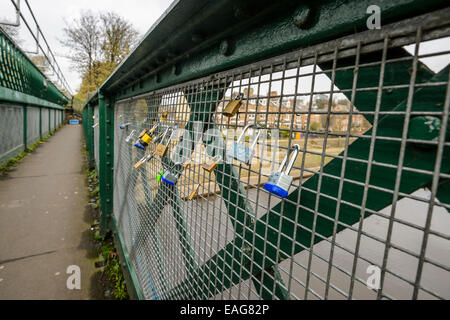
(40, 123)
(25, 129)
(106, 164)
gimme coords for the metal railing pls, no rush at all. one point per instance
(30, 107)
(366, 215)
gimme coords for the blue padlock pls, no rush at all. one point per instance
(170, 178)
(240, 151)
(124, 126)
(280, 182)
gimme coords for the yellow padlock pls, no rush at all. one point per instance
(233, 107)
(194, 192)
(164, 116)
(144, 140)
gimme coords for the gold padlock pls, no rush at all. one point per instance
(233, 107)
(164, 116)
(194, 193)
(143, 160)
(162, 148)
(212, 163)
(187, 164)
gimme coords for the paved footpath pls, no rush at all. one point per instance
(44, 223)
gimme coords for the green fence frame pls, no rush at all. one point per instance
(231, 45)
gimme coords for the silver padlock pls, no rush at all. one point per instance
(240, 151)
(170, 178)
(280, 182)
(124, 126)
(131, 136)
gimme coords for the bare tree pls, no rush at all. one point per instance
(98, 43)
(118, 37)
(82, 38)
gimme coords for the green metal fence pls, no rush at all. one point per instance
(30, 105)
(366, 216)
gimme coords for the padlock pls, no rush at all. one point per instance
(240, 151)
(233, 107)
(187, 164)
(131, 136)
(164, 116)
(212, 163)
(124, 126)
(95, 125)
(170, 178)
(153, 129)
(144, 140)
(162, 147)
(159, 176)
(280, 182)
(144, 160)
(194, 192)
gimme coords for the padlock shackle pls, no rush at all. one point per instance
(165, 135)
(242, 136)
(296, 149)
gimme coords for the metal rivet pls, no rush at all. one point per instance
(175, 70)
(225, 48)
(302, 16)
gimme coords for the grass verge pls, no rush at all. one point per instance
(112, 279)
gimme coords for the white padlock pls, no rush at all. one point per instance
(240, 151)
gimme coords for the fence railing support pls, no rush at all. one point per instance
(106, 164)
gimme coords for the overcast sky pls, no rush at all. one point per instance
(52, 14)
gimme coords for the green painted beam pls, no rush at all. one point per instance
(12, 96)
(220, 35)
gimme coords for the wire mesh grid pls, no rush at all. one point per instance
(11, 137)
(364, 218)
(33, 119)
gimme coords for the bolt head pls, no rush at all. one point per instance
(302, 16)
(225, 47)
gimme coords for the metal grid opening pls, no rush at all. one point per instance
(369, 114)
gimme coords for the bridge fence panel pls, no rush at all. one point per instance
(366, 215)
